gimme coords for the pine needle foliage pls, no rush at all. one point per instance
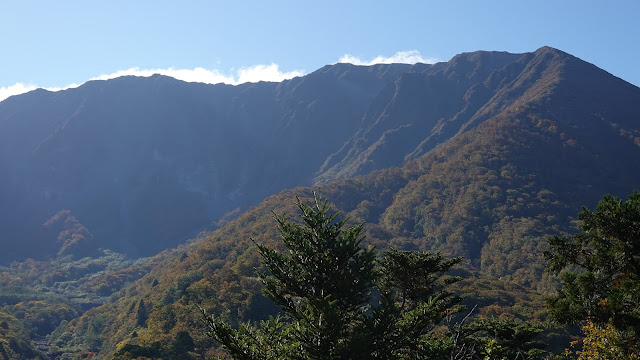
(600, 272)
(341, 302)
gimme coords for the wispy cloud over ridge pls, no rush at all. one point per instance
(256, 73)
(401, 57)
(15, 89)
(265, 73)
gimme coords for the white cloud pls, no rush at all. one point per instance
(256, 73)
(249, 74)
(401, 57)
(265, 73)
(15, 89)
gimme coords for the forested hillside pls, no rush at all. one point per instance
(134, 159)
(484, 157)
(146, 163)
(492, 194)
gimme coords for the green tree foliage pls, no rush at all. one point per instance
(178, 349)
(340, 302)
(141, 314)
(322, 282)
(600, 270)
(14, 340)
(414, 299)
(507, 339)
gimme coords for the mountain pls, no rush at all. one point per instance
(531, 138)
(423, 109)
(145, 163)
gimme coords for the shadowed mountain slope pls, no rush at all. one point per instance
(144, 163)
(491, 193)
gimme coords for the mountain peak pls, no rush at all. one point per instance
(135, 158)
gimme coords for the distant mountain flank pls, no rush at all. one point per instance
(483, 156)
(491, 194)
(423, 109)
(145, 163)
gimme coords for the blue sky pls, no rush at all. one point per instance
(56, 44)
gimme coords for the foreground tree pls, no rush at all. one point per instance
(506, 339)
(600, 273)
(603, 342)
(340, 302)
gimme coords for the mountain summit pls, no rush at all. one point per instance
(145, 163)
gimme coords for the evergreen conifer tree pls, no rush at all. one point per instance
(600, 272)
(340, 302)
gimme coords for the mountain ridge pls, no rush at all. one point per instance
(475, 157)
(78, 125)
(176, 156)
(469, 197)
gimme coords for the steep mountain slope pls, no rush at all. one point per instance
(492, 193)
(420, 110)
(144, 163)
(424, 109)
